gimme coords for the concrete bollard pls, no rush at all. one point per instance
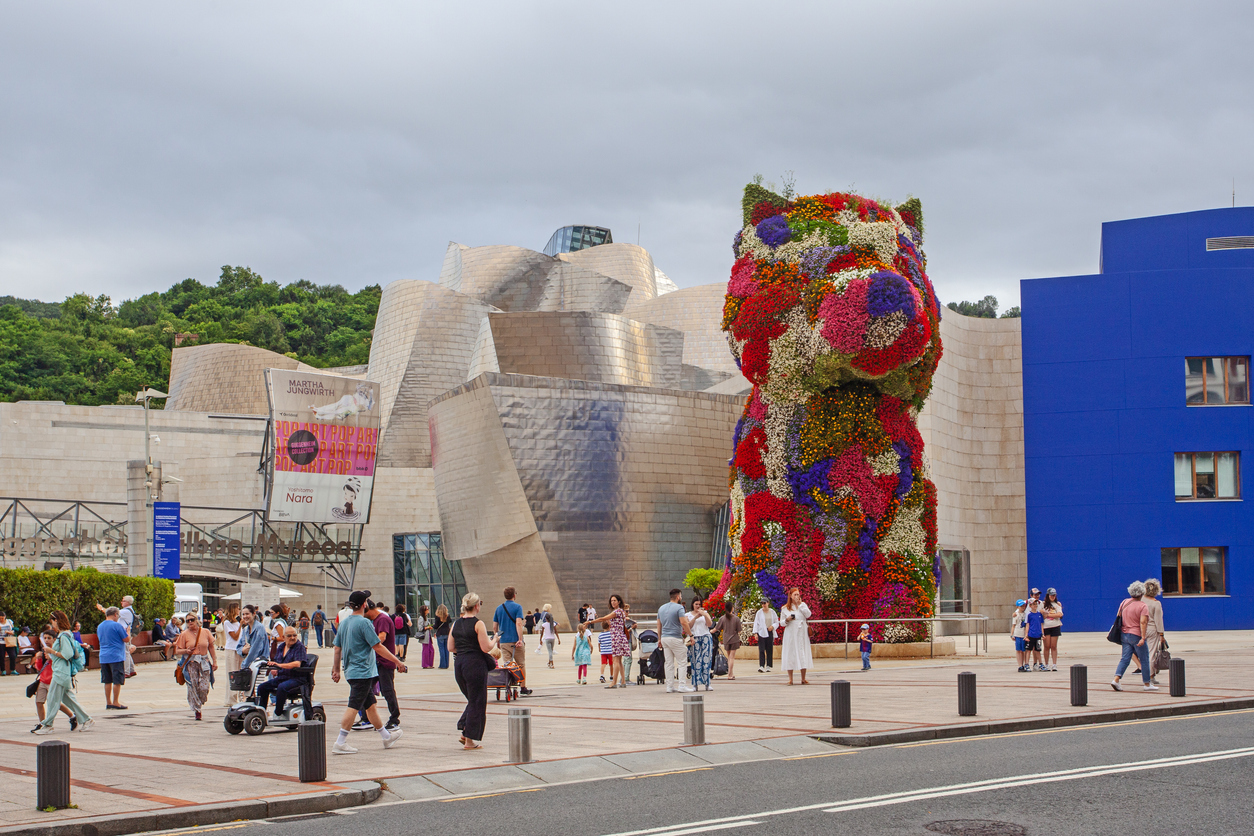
(311, 748)
(842, 709)
(1177, 677)
(694, 719)
(519, 727)
(966, 694)
(52, 769)
(1079, 685)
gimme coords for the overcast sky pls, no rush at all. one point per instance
(143, 143)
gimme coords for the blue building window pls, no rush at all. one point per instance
(1194, 571)
(1208, 475)
(1216, 381)
(423, 576)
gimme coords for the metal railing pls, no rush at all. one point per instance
(981, 623)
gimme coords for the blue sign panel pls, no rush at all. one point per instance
(165, 540)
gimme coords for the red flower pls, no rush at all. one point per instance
(749, 454)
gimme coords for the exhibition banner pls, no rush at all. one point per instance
(326, 434)
(165, 540)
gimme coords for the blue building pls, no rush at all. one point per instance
(1137, 421)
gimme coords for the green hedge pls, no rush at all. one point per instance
(29, 596)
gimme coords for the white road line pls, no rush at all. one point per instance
(953, 789)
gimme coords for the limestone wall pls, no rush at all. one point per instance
(972, 427)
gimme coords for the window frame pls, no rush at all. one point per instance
(1226, 364)
(1179, 580)
(1193, 454)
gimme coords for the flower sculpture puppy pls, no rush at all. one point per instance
(832, 319)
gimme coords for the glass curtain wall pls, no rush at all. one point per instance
(423, 576)
(954, 591)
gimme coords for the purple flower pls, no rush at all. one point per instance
(889, 292)
(736, 244)
(905, 469)
(774, 231)
(771, 588)
(866, 544)
(814, 262)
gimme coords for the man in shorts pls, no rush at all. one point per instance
(356, 645)
(507, 623)
(113, 638)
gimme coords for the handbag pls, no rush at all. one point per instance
(1162, 661)
(32, 688)
(1115, 636)
(178, 672)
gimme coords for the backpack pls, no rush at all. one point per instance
(720, 664)
(79, 660)
(137, 624)
(317, 618)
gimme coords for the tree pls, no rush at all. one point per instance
(703, 581)
(985, 308)
(1012, 313)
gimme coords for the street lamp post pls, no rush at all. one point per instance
(144, 396)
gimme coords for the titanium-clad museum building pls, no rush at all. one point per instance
(556, 421)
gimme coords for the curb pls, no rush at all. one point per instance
(353, 794)
(1060, 721)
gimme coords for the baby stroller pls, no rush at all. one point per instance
(508, 677)
(652, 659)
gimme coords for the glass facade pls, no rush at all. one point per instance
(423, 576)
(954, 590)
(570, 239)
(722, 548)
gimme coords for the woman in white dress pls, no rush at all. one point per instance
(796, 654)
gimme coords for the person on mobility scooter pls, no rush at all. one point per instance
(293, 672)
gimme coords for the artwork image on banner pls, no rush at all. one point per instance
(326, 435)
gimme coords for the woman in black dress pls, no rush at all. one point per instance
(469, 641)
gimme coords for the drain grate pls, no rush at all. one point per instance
(976, 827)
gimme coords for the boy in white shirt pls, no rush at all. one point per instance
(1018, 624)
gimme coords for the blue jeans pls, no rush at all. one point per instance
(318, 630)
(1130, 646)
(866, 659)
(443, 645)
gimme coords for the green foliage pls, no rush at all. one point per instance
(755, 193)
(912, 210)
(703, 581)
(29, 596)
(86, 351)
(985, 308)
(1012, 313)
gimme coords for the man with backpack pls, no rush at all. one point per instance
(318, 619)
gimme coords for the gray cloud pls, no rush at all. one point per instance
(145, 143)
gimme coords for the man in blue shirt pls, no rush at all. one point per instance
(112, 637)
(507, 623)
(673, 627)
(356, 645)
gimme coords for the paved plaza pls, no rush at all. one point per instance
(154, 756)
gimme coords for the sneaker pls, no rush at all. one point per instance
(342, 749)
(391, 726)
(1115, 684)
(670, 689)
(41, 729)
(526, 692)
(73, 723)
(761, 669)
(602, 680)
(362, 725)
(1154, 680)
(768, 668)
(396, 735)
(685, 689)
(87, 724)
(1151, 687)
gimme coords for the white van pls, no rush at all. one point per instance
(189, 598)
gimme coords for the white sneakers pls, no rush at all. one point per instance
(86, 724)
(685, 689)
(343, 749)
(670, 689)
(1151, 687)
(41, 729)
(395, 736)
(1114, 683)
(761, 669)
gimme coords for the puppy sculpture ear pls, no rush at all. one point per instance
(756, 195)
(912, 213)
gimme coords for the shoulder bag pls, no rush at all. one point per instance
(1115, 636)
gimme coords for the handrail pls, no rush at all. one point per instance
(931, 633)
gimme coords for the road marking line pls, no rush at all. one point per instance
(1084, 727)
(701, 828)
(675, 772)
(489, 795)
(1028, 780)
(975, 786)
(825, 755)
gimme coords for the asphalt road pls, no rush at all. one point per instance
(1189, 775)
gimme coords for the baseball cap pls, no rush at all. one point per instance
(359, 597)
(1035, 591)
(865, 627)
(1020, 602)
(1051, 591)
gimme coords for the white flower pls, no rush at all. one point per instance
(792, 356)
(826, 584)
(883, 331)
(879, 235)
(737, 526)
(885, 463)
(906, 535)
(775, 458)
(790, 252)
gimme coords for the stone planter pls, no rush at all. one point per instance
(943, 646)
